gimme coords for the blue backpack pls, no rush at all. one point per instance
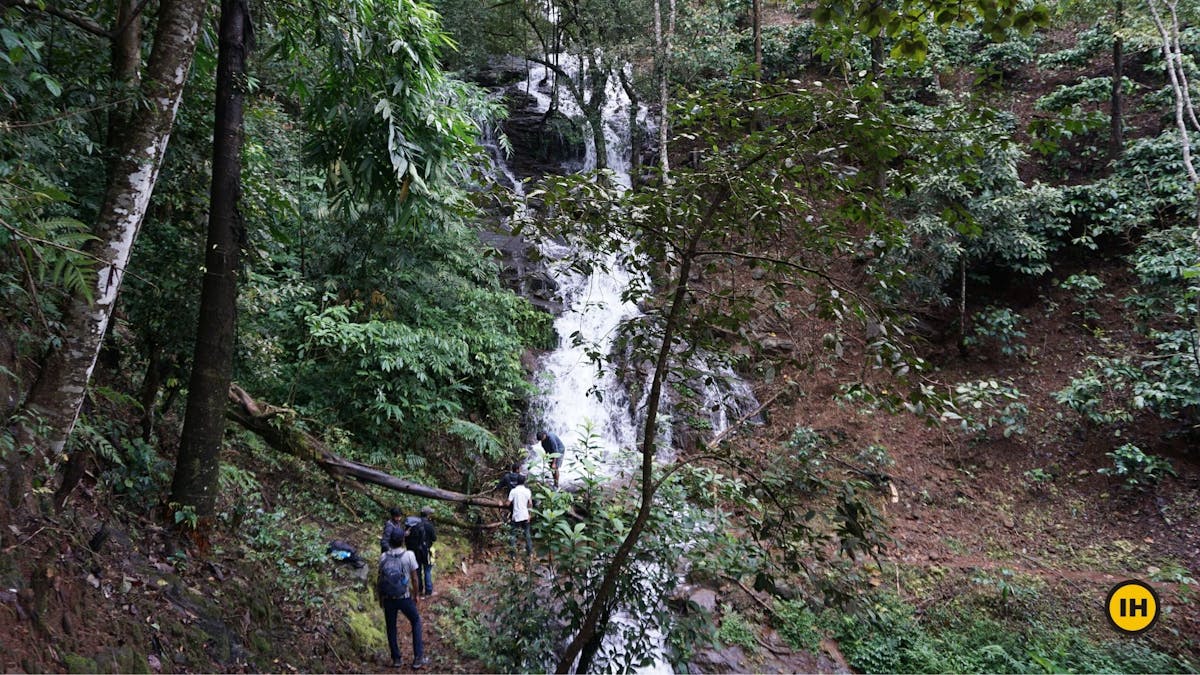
(393, 577)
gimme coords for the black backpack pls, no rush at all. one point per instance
(418, 535)
(393, 577)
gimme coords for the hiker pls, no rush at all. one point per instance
(396, 522)
(509, 480)
(520, 500)
(420, 540)
(397, 577)
(555, 450)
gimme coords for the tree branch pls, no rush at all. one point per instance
(273, 425)
(84, 22)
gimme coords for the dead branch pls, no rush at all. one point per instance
(277, 428)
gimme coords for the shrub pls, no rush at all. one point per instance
(981, 405)
(1140, 471)
(736, 630)
(999, 327)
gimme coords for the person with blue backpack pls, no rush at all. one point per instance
(397, 578)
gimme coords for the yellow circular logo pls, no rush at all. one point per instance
(1132, 607)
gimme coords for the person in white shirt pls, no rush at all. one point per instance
(520, 500)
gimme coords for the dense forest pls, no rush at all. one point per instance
(871, 331)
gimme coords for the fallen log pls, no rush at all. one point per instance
(275, 427)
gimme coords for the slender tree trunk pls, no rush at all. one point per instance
(53, 403)
(152, 382)
(756, 22)
(1116, 126)
(635, 132)
(662, 44)
(876, 56)
(608, 585)
(198, 466)
(1183, 108)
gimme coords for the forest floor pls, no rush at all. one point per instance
(1031, 507)
(1029, 512)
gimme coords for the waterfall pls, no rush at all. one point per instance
(577, 395)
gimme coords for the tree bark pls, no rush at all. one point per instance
(52, 406)
(198, 466)
(127, 63)
(273, 426)
(1116, 125)
(662, 44)
(756, 27)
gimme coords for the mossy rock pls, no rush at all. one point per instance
(79, 664)
(122, 660)
(364, 622)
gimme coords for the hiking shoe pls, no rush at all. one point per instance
(397, 663)
(420, 663)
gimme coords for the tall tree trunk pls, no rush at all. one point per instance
(662, 54)
(198, 466)
(52, 406)
(1116, 124)
(877, 56)
(127, 63)
(635, 132)
(756, 23)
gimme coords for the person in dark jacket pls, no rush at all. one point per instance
(394, 524)
(421, 537)
(509, 480)
(555, 450)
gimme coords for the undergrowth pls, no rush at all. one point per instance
(894, 636)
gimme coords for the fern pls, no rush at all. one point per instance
(484, 441)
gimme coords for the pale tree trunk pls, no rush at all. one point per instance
(53, 403)
(662, 49)
(197, 467)
(1184, 112)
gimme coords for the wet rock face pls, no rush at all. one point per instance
(522, 270)
(542, 143)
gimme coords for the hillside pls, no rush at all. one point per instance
(909, 314)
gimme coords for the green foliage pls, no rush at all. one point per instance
(1085, 289)
(903, 22)
(293, 549)
(797, 625)
(1146, 192)
(983, 404)
(386, 120)
(1137, 469)
(999, 327)
(966, 205)
(735, 629)
(416, 376)
(892, 637)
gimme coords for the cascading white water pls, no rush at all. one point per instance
(577, 395)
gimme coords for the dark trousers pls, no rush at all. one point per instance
(425, 574)
(409, 608)
(522, 526)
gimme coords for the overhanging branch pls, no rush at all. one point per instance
(277, 430)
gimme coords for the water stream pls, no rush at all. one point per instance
(578, 398)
